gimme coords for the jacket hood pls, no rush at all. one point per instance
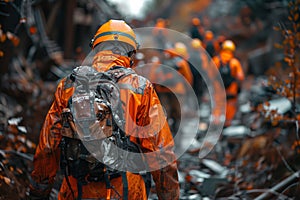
(104, 60)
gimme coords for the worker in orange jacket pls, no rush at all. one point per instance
(232, 75)
(114, 44)
(173, 75)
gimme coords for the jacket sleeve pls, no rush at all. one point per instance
(157, 145)
(238, 70)
(186, 71)
(47, 155)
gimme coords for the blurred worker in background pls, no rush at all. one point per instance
(196, 29)
(232, 75)
(198, 64)
(209, 43)
(172, 76)
(160, 34)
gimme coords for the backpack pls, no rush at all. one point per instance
(225, 73)
(94, 145)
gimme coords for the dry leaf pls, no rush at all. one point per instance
(296, 17)
(7, 180)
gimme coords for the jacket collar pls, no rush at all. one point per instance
(104, 60)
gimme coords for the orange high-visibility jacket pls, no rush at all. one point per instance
(237, 73)
(142, 106)
(235, 69)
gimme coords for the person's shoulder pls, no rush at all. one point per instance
(216, 58)
(235, 62)
(68, 80)
(136, 78)
(143, 79)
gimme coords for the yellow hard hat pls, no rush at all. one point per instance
(228, 45)
(180, 49)
(115, 30)
(196, 43)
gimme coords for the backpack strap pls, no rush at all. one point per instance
(119, 72)
(125, 185)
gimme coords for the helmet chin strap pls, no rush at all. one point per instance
(131, 55)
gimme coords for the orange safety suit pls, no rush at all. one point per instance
(142, 107)
(226, 58)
